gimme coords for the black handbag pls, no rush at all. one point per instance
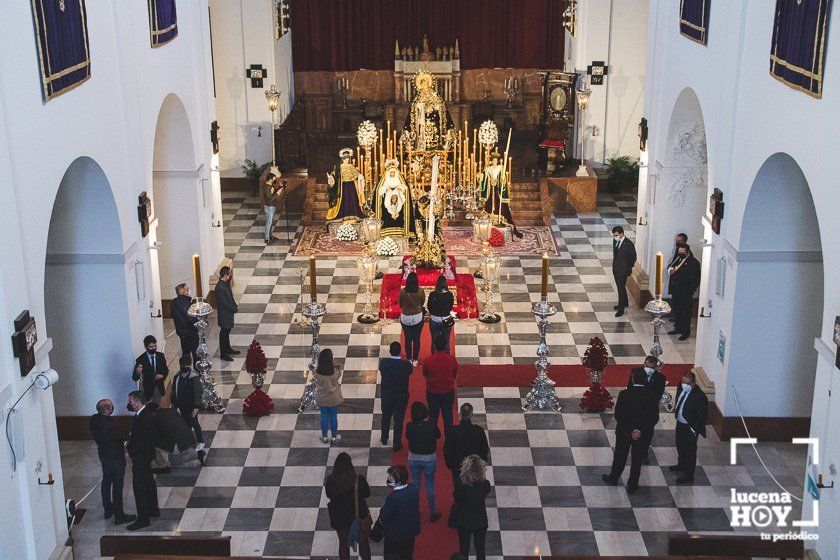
(448, 322)
(377, 532)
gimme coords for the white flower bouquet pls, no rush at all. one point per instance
(347, 232)
(386, 247)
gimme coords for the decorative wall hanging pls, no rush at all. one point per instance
(597, 70)
(62, 41)
(23, 341)
(797, 50)
(163, 21)
(256, 73)
(694, 19)
(144, 212)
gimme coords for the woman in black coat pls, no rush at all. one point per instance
(440, 305)
(342, 486)
(470, 504)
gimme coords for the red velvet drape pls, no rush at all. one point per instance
(343, 35)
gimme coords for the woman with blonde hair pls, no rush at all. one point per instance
(470, 506)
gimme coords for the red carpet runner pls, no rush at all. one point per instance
(511, 375)
(436, 540)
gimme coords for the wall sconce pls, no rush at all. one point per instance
(643, 134)
(259, 132)
(642, 221)
(140, 280)
(215, 222)
(703, 311)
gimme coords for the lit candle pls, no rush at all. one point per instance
(659, 264)
(199, 292)
(389, 129)
(544, 288)
(313, 279)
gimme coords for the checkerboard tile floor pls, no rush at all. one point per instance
(263, 480)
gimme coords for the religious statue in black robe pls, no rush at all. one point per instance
(346, 190)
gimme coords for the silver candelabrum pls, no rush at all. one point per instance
(210, 399)
(542, 393)
(313, 312)
(658, 307)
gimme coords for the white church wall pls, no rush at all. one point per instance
(243, 34)
(749, 117)
(615, 32)
(111, 119)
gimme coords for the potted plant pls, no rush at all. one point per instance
(622, 173)
(253, 171)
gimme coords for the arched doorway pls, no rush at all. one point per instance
(684, 176)
(176, 197)
(85, 296)
(778, 303)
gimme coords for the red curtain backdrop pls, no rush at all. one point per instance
(341, 35)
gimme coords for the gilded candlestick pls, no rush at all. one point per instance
(199, 289)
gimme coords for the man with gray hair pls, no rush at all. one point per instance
(110, 446)
(462, 440)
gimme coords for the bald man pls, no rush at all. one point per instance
(112, 456)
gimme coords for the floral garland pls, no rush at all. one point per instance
(496, 238)
(386, 247)
(347, 232)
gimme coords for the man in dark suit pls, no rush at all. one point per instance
(691, 411)
(394, 392)
(684, 281)
(624, 257)
(187, 398)
(151, 369)
(226, 308)
(463, 440)
(636, 413)
(110, 446)
(141, 449)
(654, 382)
(678, 239)
(184, 324)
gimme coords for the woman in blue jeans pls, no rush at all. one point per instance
(422, 438)
(441, 302)
(328, 397)
(412, 298)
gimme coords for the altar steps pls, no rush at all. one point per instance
(526, 206)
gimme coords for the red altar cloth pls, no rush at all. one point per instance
(549, 143)
(465, 300)
(427, 277)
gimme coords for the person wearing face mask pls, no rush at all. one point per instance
(655, 383)
(110, 446)
(184, 323)
(624, 257)
(678, 239)
(400, 516)
(684, 280)
(151, 370)
(691, 411)
(187, 398)
(636, 414)
(141, 449)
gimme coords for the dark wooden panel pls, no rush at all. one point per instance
(179, 546)
(728, 545)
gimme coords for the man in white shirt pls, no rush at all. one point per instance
(691, 412)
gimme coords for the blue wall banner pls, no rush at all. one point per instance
(797, 51)
(694, 19)
(62, 40)
(163, 21)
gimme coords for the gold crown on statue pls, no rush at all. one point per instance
(495, 153)
(424, 80)
(345, 153)
(392, 162)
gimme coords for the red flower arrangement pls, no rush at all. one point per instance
(595, 360)
(496, 238)
(257, 403)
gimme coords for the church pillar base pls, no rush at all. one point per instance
(637, 286)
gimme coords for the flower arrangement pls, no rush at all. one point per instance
(257, 403)
(386, 247)
(496, 238)
(347, 232)
(366, 134)
(488, 134)
(595, 359)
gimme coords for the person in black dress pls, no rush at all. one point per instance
(470, 495)
(347, 493)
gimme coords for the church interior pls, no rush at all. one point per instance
(228, 223)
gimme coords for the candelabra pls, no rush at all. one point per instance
(342, 88)
(372, 227)
(489, 270)
(542, 393)
(657, 308)
(512, 89)
(368, 265)
(582, 95)
(313, 312)
(481, 234)
(210, 399)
